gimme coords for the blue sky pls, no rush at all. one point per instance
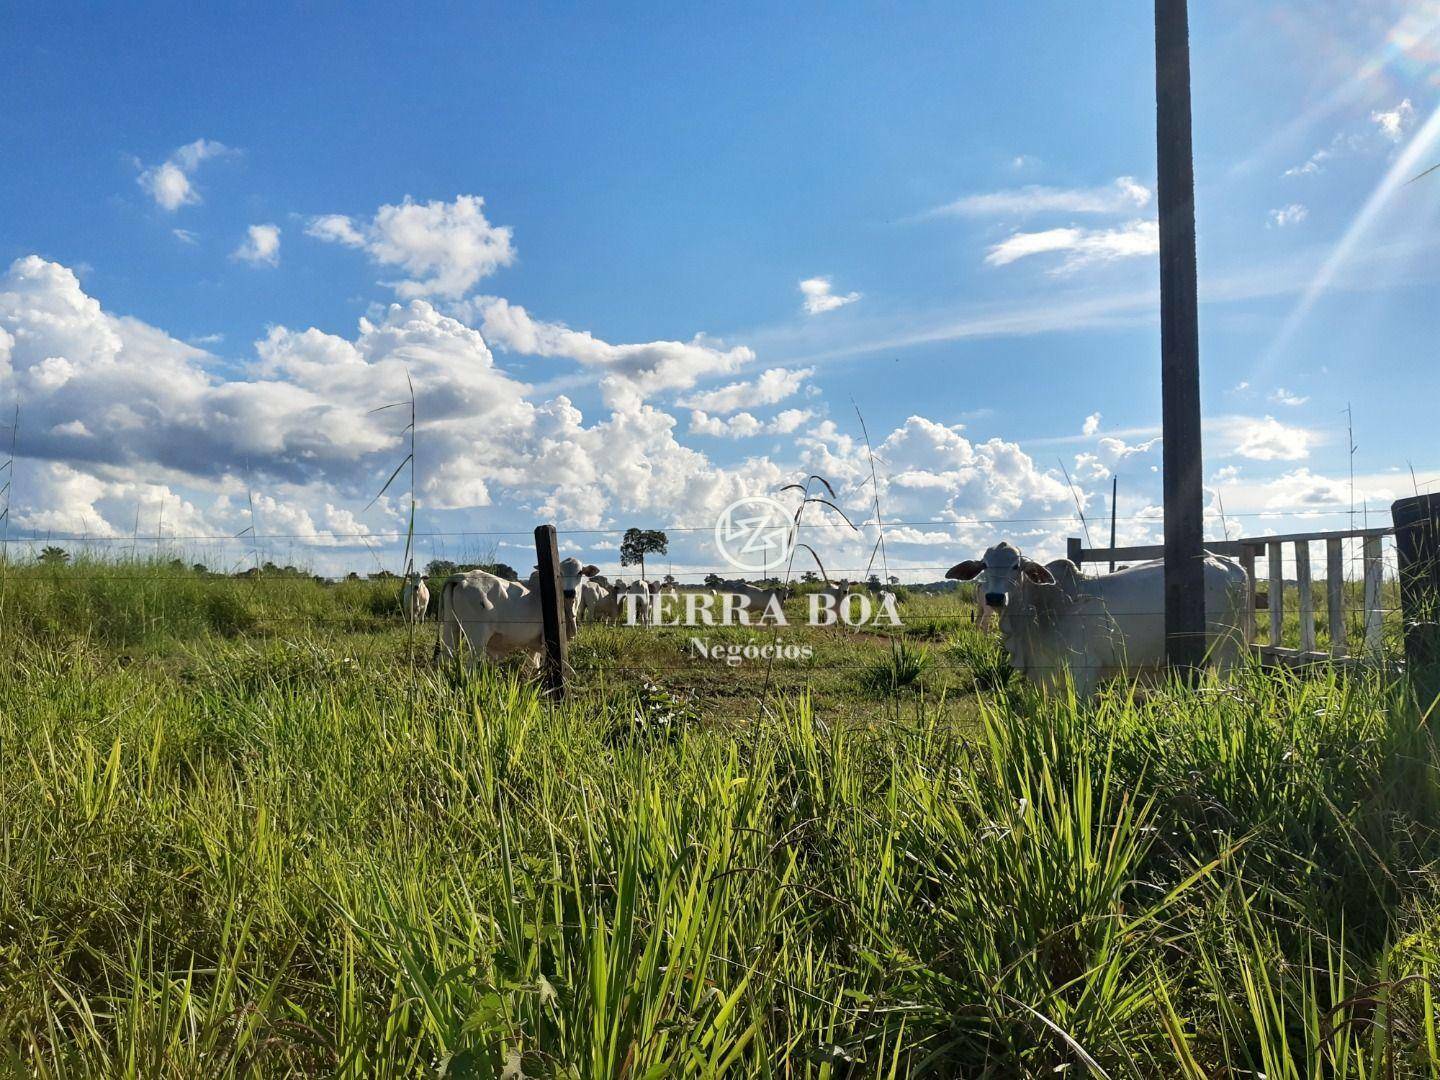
(943, 214)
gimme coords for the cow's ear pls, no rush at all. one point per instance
(1037, 573)
(965, 571)
(590, 571)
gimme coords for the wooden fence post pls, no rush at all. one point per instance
(552, 612)
(1247, 563)
(1072, 550)
(1335, 595)
(1417, 547)
(1304, 586)
(1374, 580)
(1275, 564)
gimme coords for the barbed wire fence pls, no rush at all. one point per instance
(120, 559)
(227, 551)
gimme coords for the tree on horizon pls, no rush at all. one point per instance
(637, 543)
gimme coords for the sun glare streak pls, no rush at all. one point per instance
(1410, 162)
(1411, 45)
(1410, 42)
(1347, 93)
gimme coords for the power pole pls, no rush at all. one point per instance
(1179, 341)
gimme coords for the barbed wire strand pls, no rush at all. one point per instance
(329, 536)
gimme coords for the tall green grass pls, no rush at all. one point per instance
(150, 603)
(282, 857)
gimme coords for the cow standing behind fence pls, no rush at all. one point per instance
(1054, 621)
(414, 597)
(497, 617)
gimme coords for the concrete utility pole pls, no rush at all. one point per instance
(1179, 341)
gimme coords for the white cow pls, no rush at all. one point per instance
(589, 594)
(599, 603)
(498, 617)
(759, 597)
(414, 597)
(1052, 619)
(640, 605)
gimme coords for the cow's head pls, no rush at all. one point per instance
(1001, 572)
(572, 576)
(414, 577)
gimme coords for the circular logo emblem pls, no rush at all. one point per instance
(755, 534)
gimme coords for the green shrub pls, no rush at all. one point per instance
(984, 657)
(903, 669)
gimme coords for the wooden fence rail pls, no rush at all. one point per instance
(1272, 548)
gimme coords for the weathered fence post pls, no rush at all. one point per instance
(1247, 563)
(1304, 587)
(1374, 581)
(1417, 546)
(1073, 547)
(547, 563)
(1335, 595)
(1275, 564)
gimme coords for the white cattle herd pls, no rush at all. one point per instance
(1056, 624)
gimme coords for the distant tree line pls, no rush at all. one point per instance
(442, 568)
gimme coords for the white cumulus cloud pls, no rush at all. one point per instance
(638, 369)
(745, 425)
(772, 386)
(120, 415)
(1264, 438)
(169, 183)
(444, 247)
(261, 246)
(1293, 214)
(1394, 123)
(1281, 396)
(1109, 453)
(1311, 165)
(820, 297)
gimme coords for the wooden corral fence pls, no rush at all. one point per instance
(1273, 550)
